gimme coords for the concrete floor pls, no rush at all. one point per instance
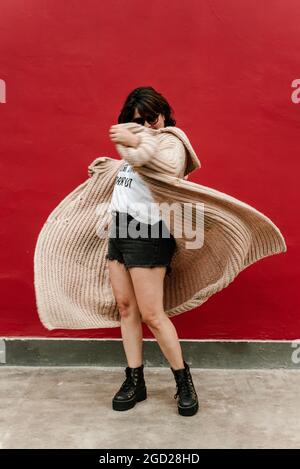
(70, 407)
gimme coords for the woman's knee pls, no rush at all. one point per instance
(128, 308)
(153, 318)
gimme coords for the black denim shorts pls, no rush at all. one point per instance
(149, 249)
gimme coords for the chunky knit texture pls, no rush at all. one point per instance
(71, 278)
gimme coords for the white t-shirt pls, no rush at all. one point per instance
(132, 195)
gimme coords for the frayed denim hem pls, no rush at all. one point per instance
(110, 258)
(168, 271)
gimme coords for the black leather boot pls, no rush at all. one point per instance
(132, 390)
(188, 400)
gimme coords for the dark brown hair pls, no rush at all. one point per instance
(149, 103)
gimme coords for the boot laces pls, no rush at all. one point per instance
(184, 386)
(127, 384)
(129, 381)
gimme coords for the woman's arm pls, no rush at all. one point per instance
(165, 154)
(146, 146)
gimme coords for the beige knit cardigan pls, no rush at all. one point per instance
(71, 279)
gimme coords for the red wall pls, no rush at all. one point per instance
(226, 67)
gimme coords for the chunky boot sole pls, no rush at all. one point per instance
(128, 404)
(188, 411)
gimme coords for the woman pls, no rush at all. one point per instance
(137, 266)
(73, 277)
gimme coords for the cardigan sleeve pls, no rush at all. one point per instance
(166, 154)
(140, 155)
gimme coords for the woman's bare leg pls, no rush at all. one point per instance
(148, 288)
(131, 322)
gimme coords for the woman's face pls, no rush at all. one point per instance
(157, 125)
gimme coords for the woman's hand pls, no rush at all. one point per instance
(119, 134)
